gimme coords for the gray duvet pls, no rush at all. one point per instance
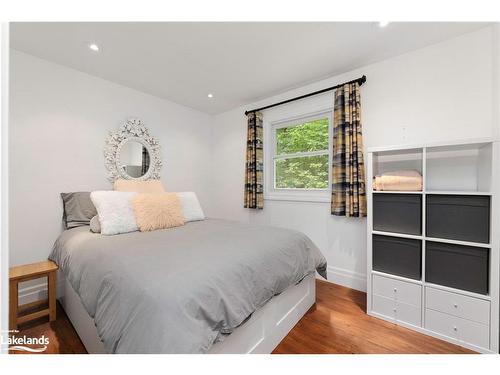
(181, 290)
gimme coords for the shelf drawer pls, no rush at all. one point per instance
(457, 328)
(458, 305)
(397, 256)
(399, 213)
(458, 217)
(397, 311)
(457, 266)
(397, 290)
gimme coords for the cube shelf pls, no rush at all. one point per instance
(445, 237)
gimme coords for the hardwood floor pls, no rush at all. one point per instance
(63, 338)
(336, 324)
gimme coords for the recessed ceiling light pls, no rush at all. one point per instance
(94, 47)
(210, 96)
(383, 23)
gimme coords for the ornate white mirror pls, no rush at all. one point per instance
(132, 153)
(134, 158)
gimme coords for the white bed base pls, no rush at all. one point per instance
(260, 334)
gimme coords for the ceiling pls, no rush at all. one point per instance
(237, 62)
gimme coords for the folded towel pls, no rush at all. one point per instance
(398, 180)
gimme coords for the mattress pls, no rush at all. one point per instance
(181, 290)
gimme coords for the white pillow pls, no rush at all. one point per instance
(115, 211)
(191, 206)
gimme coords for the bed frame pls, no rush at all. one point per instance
(260, 334)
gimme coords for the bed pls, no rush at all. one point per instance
(211, 286)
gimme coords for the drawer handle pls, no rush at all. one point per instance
(455, 305)
(455, 328)
(395, 290)
(394, 309)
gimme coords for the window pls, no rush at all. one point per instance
(300, 153)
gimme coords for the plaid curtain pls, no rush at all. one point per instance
(254, 171)
(348, 170)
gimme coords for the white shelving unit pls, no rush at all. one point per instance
(467, 317)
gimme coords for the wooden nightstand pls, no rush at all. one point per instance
(29, 272)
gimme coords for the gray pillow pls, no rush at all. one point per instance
(78, 209)
(95, 225)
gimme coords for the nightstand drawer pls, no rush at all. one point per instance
(470, 308)
(398, 290)
(398, 311)
(458, 328)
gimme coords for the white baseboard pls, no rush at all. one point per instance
(36, 292)
(32, 293)
(350, 279)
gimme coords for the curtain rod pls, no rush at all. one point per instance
(359, 80)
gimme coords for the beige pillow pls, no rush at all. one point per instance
(157, 211)
(150, 186)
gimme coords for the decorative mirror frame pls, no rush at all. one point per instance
(132, 130)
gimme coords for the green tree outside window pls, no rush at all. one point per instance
(302, 172)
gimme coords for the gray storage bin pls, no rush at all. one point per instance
(399, 213)
(458, 217)
(397, 256)
(457, 266)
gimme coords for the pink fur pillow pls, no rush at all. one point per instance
(149, 186)
(157, 211)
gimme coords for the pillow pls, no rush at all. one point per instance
(115, 211)
(157, 211)
(95, 226)
(150, 186)
(191, 208)
(78, 209)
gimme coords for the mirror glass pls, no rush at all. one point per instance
(134, 159)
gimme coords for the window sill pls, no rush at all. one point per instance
(301, 197)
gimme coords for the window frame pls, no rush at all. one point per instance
(296, 194)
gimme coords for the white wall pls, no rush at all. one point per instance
(59, 120)
(440, 93)
(4, 238)
(496, 75)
